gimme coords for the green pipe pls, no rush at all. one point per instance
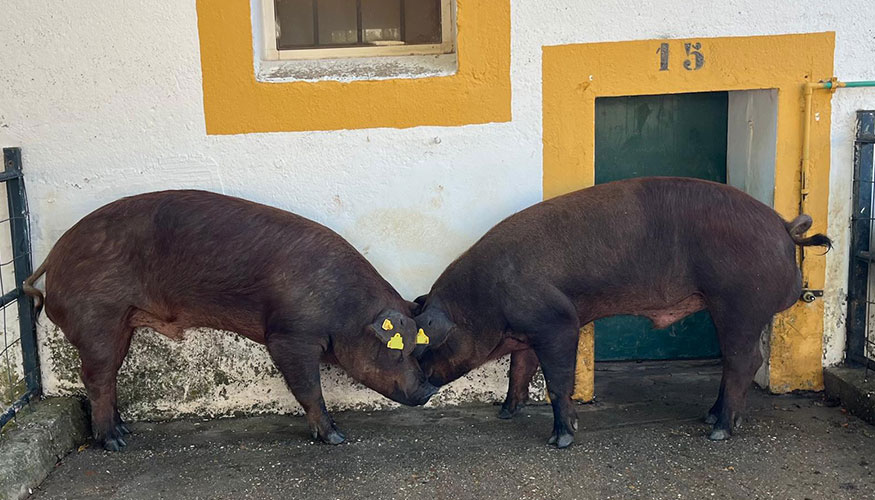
(861, 83)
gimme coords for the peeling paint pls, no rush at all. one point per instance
(215, 373)
(12, 384)
(352, 69)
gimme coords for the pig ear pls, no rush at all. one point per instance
(387, 327)
(414, 308)
(417, 305)
(433, 329)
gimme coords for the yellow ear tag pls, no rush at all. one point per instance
(396, 342)
(387, 325)
(421, 337)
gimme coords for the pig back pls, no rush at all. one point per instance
(186, 250)
(674, 234)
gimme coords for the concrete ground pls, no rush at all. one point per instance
(32, 443)
(643, 438)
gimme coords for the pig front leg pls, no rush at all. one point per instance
(299, 364)
(523, 365)
(557, 363)
(551, 325)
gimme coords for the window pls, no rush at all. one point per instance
(323, 29)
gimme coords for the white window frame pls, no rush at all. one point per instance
(270, 52)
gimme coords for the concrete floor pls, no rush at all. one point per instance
(642, 439)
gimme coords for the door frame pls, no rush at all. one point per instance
(573, 76)
(624, 148)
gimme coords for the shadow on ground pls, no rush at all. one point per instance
(643, 438)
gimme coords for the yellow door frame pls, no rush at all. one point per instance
(575, 75)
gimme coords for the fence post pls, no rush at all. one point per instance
(23, 267)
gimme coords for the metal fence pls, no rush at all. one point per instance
(19, 363)
(861, 278)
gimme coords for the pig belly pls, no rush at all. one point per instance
(169, 328)
(663, 317)
(174, 326)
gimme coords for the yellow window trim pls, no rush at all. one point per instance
(236, 103)
(575, 75)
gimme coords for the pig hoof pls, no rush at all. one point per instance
(112, 440)
(711, 419)
(719, 435)
(508, 413)
(334, 437)
(114, 444)
(561, 441)
(564, 441)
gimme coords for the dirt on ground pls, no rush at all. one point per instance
(643, 438)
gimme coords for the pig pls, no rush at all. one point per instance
(173, 260)
(662, 248)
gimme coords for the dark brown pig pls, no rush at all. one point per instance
(173, 260)
(662, 248)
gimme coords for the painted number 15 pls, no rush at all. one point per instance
(694, 61)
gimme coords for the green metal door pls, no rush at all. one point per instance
(678, 135)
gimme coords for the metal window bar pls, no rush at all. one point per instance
(360, 30)
(27, 387)
(315, 23)
(861, 273)
(359, 24)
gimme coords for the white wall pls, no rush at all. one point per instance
(845, 103)
(105, 100)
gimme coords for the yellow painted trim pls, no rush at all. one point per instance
(584, 373)
(236, 103)
(575, 75)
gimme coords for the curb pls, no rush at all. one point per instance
(42, 435)
(848, 385)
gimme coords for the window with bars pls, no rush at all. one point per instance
(316, 29)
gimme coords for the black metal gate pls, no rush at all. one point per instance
(19, 363)
(861, 279)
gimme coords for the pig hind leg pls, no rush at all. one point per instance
(552, 326)
(299, 364)
(523, 365)
(102, 354)
(739, 332)
(714, 412)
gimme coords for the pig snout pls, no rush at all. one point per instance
(434, 367)
(417, 397)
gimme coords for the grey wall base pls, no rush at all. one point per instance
(849, 385)
(40, 436)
